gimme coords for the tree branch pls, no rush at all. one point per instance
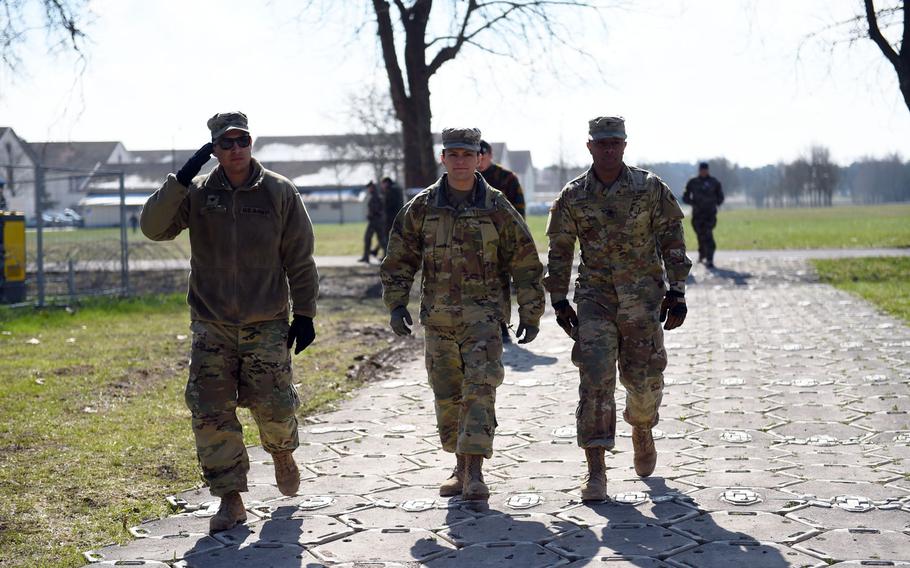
(389, 55)
(875, 34)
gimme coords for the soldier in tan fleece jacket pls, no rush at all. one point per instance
(251, 243)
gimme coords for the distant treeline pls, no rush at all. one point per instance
(810, 180)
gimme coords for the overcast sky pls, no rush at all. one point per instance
(694, 80)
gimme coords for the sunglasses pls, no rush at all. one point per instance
(228, 143)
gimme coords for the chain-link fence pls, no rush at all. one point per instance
(82, 237)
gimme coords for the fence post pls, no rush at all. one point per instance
(124, 245)
(39, 230)
(71, 280)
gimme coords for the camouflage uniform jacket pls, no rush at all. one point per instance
(631, 238)
(462, 252)
(248, 245)
(507, 182)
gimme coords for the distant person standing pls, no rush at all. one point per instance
(393, 199)
(507, 182)
(705, 194)
(134, 222)
(375, 223)
(2, 197)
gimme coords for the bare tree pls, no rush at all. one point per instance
(378, 136)
(473, 23)
(62, 21)
(897, 56)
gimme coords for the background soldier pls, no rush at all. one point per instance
(250, 240)
(507, 182)
(463, 235)
(393, 198)
(705, 195)
(375, 223)
(629, 226)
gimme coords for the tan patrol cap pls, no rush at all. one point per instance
(607, 127)
(224, 121)
(467, 138)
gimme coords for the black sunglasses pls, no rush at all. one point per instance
(228, 143)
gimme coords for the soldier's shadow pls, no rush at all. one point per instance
(518, 358)
(642, 538)
(714, 274)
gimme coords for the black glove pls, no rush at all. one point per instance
(674, 304)
(400, 315)
(302, 331)
(192, 166)
(566, 318)
(529, 331)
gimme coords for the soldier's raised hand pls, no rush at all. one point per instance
(400, 321)
(529, 332)
(673, 309)
(566, 318)
(194, 164)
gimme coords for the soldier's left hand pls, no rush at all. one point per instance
(673, 310)
(302, 332)
(529, 332)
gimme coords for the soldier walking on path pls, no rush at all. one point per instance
(629, 227)
(375, 223)
(507, 182)
(463, 235)
(705, 194)
(251, 242)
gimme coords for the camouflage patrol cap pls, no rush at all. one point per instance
(607, 127)
(467, 138)
(224, 121)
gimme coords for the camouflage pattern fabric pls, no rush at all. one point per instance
(464, 365)
(507, 182)
(247, 366)
(631, 241)
(463, 253)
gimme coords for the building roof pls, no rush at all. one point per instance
(520, 160)
(75, 155)
(168, 157)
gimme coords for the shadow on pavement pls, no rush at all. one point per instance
(518, 358)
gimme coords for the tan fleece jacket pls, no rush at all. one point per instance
(249, 246)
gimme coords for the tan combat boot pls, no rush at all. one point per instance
(594, 487)
(454, 484)
(474, 487)
(230, 512)
(287, 476)
(645, 453)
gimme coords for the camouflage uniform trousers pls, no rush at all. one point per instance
(247, 366)
(464, 365)
(703, 224)
(631, 336)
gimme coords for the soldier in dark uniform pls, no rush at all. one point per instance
(375, 223)
(507, 182)
(393, 200)
(705, 194)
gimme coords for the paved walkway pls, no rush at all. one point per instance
(784, 441)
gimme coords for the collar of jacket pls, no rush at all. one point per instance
(481, 200)
(593, 184)
(217, 179)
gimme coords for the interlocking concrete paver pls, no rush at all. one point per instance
(785, 419)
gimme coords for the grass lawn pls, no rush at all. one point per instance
(741, 229)
(95, 432)
(883, 281)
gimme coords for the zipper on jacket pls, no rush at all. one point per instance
(234, 268)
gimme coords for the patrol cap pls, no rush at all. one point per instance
(607, 127)
(467, 138)
(485, 147)
(703, 166)
(224, 121)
